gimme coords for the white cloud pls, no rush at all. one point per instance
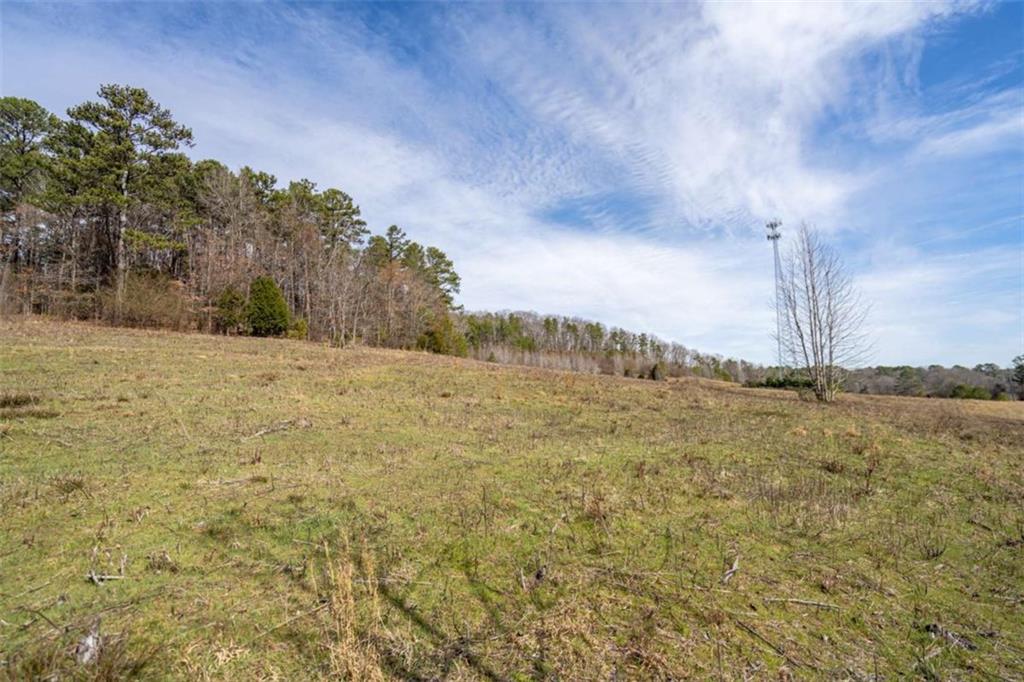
(1004, 129)
(959, 308)
(994, 120)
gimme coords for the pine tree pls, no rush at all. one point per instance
(133, 136)
(24, 126)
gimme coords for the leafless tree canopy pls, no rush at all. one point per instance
(822, 314)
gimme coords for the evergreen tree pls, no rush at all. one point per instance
(909, 382)
(340, 219)
(389, 248)
(132, 135)
(24, 127)
(414, 258)
(260, 183)
(266, 312)
(441, 273)
(444, 337)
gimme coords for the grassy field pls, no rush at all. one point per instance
(232, 508)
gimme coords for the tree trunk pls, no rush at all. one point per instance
(74, 256)
(122, 251)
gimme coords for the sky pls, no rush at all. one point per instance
(616, 162)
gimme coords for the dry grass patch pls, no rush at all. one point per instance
(9, 400)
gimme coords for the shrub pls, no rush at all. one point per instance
(18, 399)
(791, 379)
(266, 312)
(722, 374)
(443, 337)
(230, 314)
(970, 392)
(299, 329)
(150, 300)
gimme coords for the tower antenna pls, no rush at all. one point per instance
(774, 236)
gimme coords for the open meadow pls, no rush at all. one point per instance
(237, 508)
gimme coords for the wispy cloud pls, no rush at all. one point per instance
(712, 111)
(920, 300)
(987, 120)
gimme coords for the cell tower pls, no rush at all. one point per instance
(774, 236)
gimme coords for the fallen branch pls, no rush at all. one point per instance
(777, 649)
(805, 602)
(282, 425)
(99, 578)
(291, 620)
(184, 429)
(40, 614)
(732, 571)
(957, 640)
(29, 590)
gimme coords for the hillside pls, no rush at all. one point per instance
(237, 508)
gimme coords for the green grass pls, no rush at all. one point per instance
(278, 509)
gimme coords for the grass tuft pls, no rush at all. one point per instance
(17, 399)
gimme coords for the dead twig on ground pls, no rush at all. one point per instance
(805, 602)
(291, 620)
(40, 614)
(732, 571)
(774, 647)
(100, 578)
(282, 425)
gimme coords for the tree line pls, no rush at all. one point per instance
(572, 343)
(986, 381)
(105, 217)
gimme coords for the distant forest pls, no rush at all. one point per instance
(983, 382)
(105, 218)
(526, 338)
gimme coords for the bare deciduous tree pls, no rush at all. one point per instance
(822, 314)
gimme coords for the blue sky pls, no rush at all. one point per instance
(615, 161)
